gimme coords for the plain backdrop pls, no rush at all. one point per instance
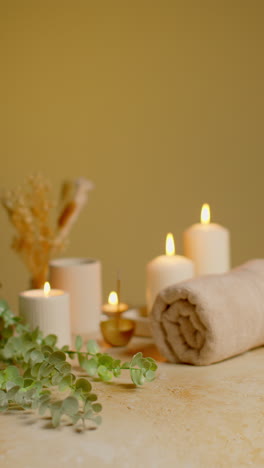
(160, 103)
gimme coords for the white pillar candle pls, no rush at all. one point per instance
(166, 270)
(208, 245)
(49, 310)
(81, 278)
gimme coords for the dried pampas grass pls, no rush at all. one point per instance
(29, 209)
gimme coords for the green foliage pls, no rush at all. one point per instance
(106, 367)
(35, 367)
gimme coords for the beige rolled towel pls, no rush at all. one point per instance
(211, 318)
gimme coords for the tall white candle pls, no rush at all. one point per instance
(208, 245)
(166, 270)
(49, 310)
(81, 278)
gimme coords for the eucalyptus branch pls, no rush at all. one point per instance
(35, 369)
(106, 367)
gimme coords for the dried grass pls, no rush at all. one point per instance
(29, 208)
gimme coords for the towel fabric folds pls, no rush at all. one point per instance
(211, 318)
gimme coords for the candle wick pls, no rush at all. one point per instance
(118, 290)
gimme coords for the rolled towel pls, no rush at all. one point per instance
(211, 318)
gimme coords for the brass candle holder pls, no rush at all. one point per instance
(116, 330)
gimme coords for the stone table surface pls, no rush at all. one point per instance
(188, 417)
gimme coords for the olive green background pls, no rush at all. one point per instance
(160, 103)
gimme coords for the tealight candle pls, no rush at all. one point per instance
(113, 306)
(49, 310)
(166, 270)
(208, 245)
(116, 330)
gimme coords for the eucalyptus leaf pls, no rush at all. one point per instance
(104, 373)
(35, 369)
(11, 373)
(82, 359)
(27, 374)
(28, 382)
(88, 414)
(50, 340)
(36, 356)
(65, 348)
(116, 363)
(75, 417)
(43, 407)
(56, 378)
(2, 378)
(150, 375)
(45, 369)
(90, 366)
(56, 357)
(65, 383)
(37, 385)
(47, 350)
(92, 347)
(35, 334)
(19, 381)
(3, 398)
(91, 397)
(137, 360)
(70, 405)
(27, 353)
(87, 405)
(117, 372)
(10, 385)
(83, 384)
(97, 420)
(12, 392)
(63, 367)
(78, 342)
(106, 361)
(137, 376)
(56, 416)
(153, 364)
(97, 407)
(44, 397)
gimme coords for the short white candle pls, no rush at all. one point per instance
(114, 307)
(166, 270)
(208, 245)
(49, 310)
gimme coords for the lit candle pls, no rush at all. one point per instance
(166, 270)
(113, 306)
(208, 245)
(49, 310)
(116, 330)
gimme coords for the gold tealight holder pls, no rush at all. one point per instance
(116, 330)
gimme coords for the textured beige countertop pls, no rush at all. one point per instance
(188, 417)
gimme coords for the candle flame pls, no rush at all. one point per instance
(46, 289)
(170, 246)
(205, 214)
(113, 298)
